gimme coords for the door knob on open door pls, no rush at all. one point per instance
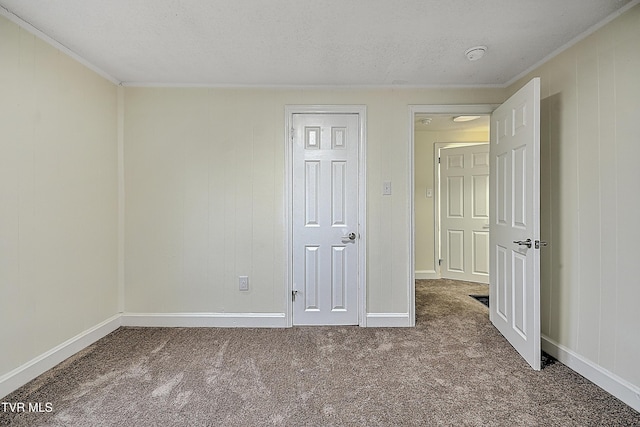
(526, 243)
(350, 236)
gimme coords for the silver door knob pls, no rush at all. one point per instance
(350, 236)
(526, 243)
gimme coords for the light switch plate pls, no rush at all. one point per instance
(386, 188)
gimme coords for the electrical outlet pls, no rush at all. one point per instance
(243, 283)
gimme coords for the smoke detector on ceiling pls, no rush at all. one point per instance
(475, 53)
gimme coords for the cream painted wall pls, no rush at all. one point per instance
(204, 171)
(58, 198)
(425, 178)
(204, 191)
(590, 198)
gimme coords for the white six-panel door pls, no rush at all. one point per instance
(515, 221)
(464, 213)
(325, 219)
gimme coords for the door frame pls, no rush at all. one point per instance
(437, 232)
(361, 111)
(455, 109)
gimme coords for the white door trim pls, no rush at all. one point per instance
(361, 111)
(428, 109)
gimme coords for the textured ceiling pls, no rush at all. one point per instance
(321, 42)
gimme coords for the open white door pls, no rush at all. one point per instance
(514, 276)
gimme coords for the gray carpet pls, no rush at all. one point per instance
(453, 369)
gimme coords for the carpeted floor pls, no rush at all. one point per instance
(452, 369)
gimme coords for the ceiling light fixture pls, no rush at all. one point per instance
(426, 121)
(475, 53)
(460, 119)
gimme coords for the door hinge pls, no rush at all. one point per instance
(440, 261)
(438, 159)
(293, 132)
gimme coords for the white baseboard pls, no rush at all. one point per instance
(205, 320)
(388, 320)
(608, 381)
(426, 274)
(15, 379)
